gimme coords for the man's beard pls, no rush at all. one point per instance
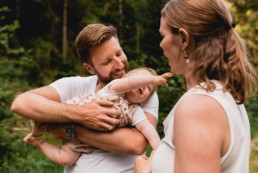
(109, 78)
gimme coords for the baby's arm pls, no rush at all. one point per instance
(136, 81)
(149, 132)
(62, 155)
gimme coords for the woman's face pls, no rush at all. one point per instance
(172, 48)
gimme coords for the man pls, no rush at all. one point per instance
(102, 56)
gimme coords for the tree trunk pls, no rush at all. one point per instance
(120, 11)
(64, 42)
(138, 36)
(17, 8)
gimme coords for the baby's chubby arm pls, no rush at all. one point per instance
(136, 81)
(161, 79)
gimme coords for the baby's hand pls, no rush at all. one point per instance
(162, 79)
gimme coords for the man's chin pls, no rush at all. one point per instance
(118, 75)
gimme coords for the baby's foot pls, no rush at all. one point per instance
(29, 139)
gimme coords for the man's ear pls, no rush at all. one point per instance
(185, 37)
(89, 68)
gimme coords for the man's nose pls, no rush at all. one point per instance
(119, 63)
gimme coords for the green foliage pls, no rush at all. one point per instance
(11, 72)
(13, 150)
(252, 110)
(246, 14)
(16, 65)
(254, 156)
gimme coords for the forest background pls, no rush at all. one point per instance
(36, 48)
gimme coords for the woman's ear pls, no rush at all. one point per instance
(185, 37)
(89, 68)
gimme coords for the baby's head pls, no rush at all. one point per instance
(142, 94)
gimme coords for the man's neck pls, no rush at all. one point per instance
(100, 85)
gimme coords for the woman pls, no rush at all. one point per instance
(208, 129)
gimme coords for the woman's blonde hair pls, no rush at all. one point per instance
(217, 51)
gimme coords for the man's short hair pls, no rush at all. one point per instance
(92, 36)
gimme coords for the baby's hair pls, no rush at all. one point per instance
(145, 69)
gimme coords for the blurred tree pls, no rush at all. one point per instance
(14, 77)
(246, 15)
(64, 42)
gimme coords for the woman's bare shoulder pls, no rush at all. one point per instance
(200, 129)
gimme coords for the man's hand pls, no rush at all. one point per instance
(98, 115)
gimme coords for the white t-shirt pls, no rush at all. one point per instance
(236, 160)
(99, 161)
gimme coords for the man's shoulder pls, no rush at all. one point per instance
(75, 86)
(82, 77)
(75, 82)
(79, 78)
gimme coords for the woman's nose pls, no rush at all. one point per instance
(160, 45)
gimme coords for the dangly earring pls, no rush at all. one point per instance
(186, 57)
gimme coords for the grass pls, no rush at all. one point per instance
(254, 155)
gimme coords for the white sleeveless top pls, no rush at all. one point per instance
(236, 160)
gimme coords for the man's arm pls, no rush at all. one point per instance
(120, 140)
(43, 104)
